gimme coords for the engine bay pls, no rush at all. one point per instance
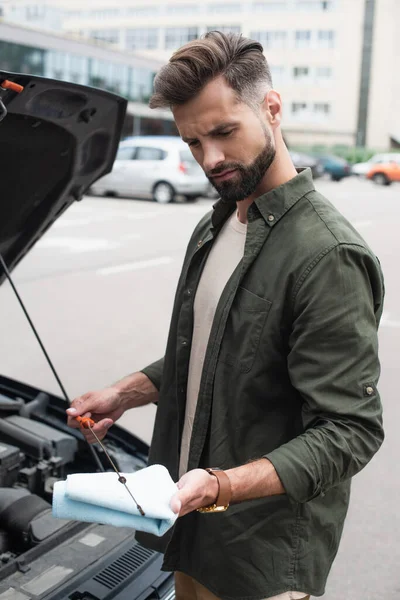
(37, 448)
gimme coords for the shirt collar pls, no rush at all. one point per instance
(272, 205)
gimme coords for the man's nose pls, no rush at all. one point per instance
(213, 156)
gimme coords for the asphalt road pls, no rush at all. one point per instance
(99, 287)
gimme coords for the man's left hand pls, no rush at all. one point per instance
(196, 489)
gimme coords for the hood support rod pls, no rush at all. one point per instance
(8, 275)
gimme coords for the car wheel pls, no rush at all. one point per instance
(191, 198)
(381, 179)
(163, 193)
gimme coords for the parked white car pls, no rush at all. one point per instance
(155, 167)
(363, 168)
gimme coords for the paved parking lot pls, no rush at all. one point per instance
(100, 286)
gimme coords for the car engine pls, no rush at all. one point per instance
(36, 450)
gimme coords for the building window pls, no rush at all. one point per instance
(270, 39)
(224, 8)
(177, 36)
(225, 28)
(143, 11)
(300, 110)
(269, 6)
(301, 73)
(324, 73)
(182, 9)
(33, 12)
(107, 13)
(277, 73)
(142, 39)
(303, 39)
(141, 85)
(111, 36)
(308, 5)
(326, 39)
(322, 109)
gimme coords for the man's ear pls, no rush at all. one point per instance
(272, 107)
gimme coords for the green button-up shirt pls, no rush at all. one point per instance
(290, 374)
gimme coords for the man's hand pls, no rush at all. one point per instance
(104, 407)
(197, 488)
(108, 405)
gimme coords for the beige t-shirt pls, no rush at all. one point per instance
(225, 255)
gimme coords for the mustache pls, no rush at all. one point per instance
(223, 168)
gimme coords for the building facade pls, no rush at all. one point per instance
(27, 50)
(330, 59)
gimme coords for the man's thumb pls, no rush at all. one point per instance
(77, 410)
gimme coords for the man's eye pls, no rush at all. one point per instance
(226, 133)
(193, 144)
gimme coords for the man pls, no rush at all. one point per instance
(271, 364)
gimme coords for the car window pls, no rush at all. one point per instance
(125, 153)
(187, 156)
(144, 153)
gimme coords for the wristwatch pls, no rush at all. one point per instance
(224, 492)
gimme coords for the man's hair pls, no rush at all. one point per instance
(238, 59)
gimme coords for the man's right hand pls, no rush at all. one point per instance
(104, 407)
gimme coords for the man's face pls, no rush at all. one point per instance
(229, 140)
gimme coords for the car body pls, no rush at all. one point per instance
(334, 166)
(385, 173)
(57, 139)
(158, 167)
(301, 160)
(363, 168)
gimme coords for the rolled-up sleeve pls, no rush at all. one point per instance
(154, 372)
(333, 363)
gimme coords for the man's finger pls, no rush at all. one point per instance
(175, 504)
(80, 405)
(100, 429)
(102, 426)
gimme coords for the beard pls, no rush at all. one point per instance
(247, 177)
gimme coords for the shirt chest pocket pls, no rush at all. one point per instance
(243, 330)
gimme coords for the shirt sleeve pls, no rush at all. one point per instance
(154, 372)
(333, 363)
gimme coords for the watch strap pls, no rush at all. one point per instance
(224, 487)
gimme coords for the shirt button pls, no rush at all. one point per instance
(271, 218)
(189, 292)
(184, 343)
(199, 243)
(369, 390)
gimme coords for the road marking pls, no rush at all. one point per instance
(77, 245)
(107, 216)
(147, 215)
(143, 264)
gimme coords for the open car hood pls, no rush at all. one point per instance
(55, 141)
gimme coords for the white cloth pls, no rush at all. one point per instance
(101, 498)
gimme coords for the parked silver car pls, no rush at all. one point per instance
(155, 167)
